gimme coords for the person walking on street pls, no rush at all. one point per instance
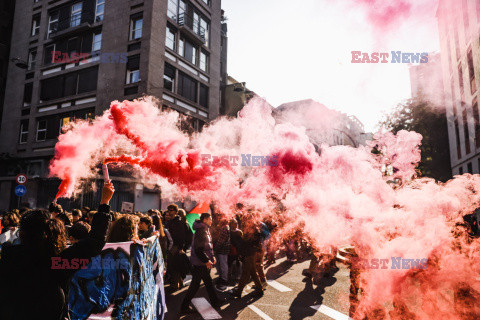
(202, 259)
(175, 257)
(251, 244)
(222, 248)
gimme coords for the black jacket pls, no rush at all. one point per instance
(31, 289)
(251, 243)
(180, 235)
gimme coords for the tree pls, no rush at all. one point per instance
(431, 122)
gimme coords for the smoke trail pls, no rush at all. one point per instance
(335, 196)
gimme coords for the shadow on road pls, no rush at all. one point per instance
(310, 296)
(279, 270)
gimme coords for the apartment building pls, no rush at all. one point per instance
(81, 55)
(458, 24)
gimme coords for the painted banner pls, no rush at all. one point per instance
(124, 282)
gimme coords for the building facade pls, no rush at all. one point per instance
(426, 80)
(458, 24)
(80, 56)
(323, 125)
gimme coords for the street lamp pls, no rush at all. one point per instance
(19, 63)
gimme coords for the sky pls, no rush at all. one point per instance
(293, 50)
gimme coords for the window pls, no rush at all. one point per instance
(73, 46)
(52, 23)
(87, 80)
(469, 168)
(196, 23)
(23, 131)
(170, 38)
(133, 69)
(51, 88)
(476, 121)
(99, 10)
(203, 101)
(27, 94)
(182, 7)
(207, 2)
(181, 47)
(190, 52)
(32, 59)
(172, 9)
(457, 127)
(69, 84)
(76, 16)
(36, 25)
(130, 91)
(97, 41)
(471, 72)
(187, 87)
(41, 130)
(203, 61)
(169, 78)
(136, 23)
(460, 170)
(48, 54)
(64, 121)
(204, 30)
(465, 131)
(460, 81)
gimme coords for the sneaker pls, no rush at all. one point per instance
(264, 286)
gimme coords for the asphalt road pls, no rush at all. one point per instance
(289, 296)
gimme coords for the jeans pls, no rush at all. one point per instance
(200, 273)
(222, 266)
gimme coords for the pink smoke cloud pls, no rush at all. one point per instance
(337, 196)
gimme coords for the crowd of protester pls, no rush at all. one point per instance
(239, 247)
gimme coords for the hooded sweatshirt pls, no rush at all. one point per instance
(202, 247)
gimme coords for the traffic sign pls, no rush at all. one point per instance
(20, 190)
(21, 178)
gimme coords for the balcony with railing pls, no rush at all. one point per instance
(74, 23)
(188, 24)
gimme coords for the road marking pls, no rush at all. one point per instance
(280, 287)
(334, 314)
(259, 312)
(188, 279)
(205, 309)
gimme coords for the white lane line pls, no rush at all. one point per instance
(259, 312)
(280, 287)
(205, 309)
(334, 314)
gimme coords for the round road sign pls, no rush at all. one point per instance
(21, 178)
(20, 190)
